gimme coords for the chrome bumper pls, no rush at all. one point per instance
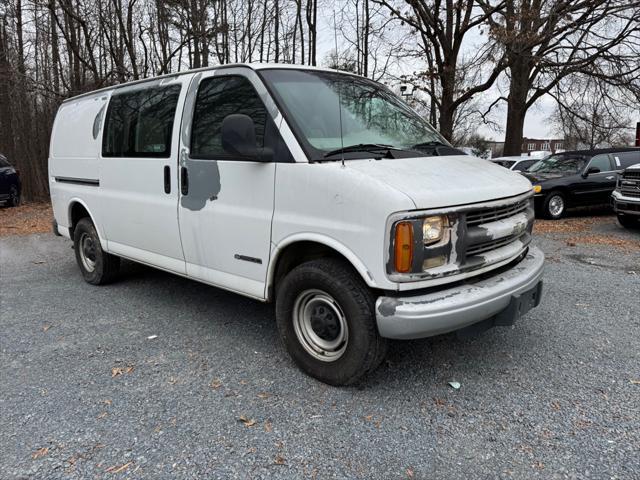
(503, 296)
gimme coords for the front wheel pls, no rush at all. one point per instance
(628, 221)
(326, 319)
(97, 266)
(554, 206)
(14, 196)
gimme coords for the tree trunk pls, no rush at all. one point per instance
(516, 108)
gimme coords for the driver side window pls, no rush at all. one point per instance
(601, 162)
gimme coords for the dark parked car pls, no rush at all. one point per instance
(10, 186)
(578, 178)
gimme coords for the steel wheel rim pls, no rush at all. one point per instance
(320, 325)
(556, 205)
(87, 250)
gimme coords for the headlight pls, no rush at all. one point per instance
(537, 188)
(432, 230)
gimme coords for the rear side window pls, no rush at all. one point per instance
(217, 98)
(626, 159)
(140, 123)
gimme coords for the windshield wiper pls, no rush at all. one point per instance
(362, 147)
(433, 143)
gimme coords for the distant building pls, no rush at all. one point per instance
(548, 145)
(496, 149)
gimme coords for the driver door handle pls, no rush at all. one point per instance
(610, 177)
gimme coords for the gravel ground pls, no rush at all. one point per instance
(161, 377)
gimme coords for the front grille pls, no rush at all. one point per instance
(491, 245)
(631, 175)
(627, 192)
(630, 184)
(486, 215)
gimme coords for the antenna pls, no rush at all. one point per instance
(335, 38)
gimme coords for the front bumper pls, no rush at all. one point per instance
(626, 205)
(501, 299)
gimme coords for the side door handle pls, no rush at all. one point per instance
(184, 181)
(610, 177)
(167, 179)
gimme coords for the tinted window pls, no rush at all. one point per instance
(524, 166)
(504, 163)
(140, 123)
(217, 98)
(563, 164)
(602, 162)
(626, 159)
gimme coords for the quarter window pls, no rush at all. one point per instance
(139, 123)
(217, 98)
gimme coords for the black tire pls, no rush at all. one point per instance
(89, 253)
(14, 196)
(363, 350)
(550, 210)
(628, 221)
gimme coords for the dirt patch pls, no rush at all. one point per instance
(625, 243)
(26, 219)
(570, 225)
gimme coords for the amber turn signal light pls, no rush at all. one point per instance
(403, 247)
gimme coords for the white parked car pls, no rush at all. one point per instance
(516, 163)
(316, 190)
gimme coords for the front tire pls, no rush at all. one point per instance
(14, 196)
(326, 319)
(97, 266)
(555, 206)
(628, 221)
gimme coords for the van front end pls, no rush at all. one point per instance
(481, 266)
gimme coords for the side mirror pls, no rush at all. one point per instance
(239, 138)
(591, 170)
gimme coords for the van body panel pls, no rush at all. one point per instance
(310, 201)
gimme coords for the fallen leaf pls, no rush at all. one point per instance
(455, 385)
(571, 244)
(368, 418)
(216, 383)
(119, 468)
(102, 415)
(173, 380)
(46, 327)
(279, 460)
(268, 427)
(108, 402)
(243, 382)
(635, 382)
(264, 395)
(115, 371)
(439, 402)
(555, 406)
(538, 465)
(409, 473)
(248, 422)
(41, 452)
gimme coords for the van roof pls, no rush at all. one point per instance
(253, 66)
(597, 151)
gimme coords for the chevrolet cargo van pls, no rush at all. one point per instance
(319, 191)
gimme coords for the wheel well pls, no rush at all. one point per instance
(296, 254)
(76, 213)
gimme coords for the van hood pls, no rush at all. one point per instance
(435, 182)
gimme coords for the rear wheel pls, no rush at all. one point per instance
(97, 266)
(554, 206)
(628, 221)
(14, 196)
(326, 319)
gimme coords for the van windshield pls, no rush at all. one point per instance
(373, 118)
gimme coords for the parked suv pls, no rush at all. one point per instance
(316, 190)
(626, 197)
(577, 178)
(10, 185)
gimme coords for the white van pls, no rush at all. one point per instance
(317, 190)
